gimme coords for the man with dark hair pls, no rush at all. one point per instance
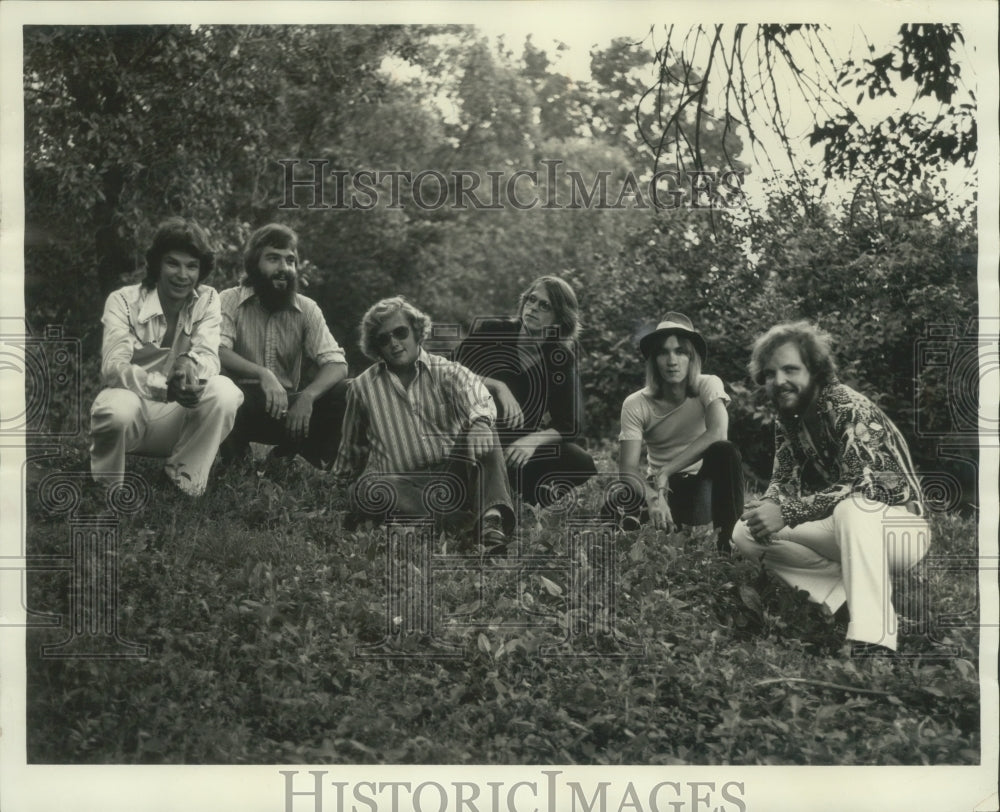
(844, 508)
(419, 431)
(268, 330)
(160, 364)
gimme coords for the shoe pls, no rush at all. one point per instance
(491, 534)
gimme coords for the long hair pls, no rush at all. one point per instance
(812, 342)
(273, 235)
(420, 323)
(565, 307)
(178, 234)
(655, 381)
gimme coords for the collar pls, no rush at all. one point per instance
(150, 306)
(246, 292)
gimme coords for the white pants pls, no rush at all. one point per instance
(848, 556)
(123, 423)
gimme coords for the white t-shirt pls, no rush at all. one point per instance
(668, 431)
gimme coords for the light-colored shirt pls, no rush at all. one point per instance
(277, 340)
(390, 428)
(135, 326)
(667, 431)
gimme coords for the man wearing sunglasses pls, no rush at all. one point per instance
(270, 331)
(419, 433)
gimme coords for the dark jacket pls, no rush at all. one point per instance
(547, 388)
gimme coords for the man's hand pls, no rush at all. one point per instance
(510, 410)
(275, 396)
(299, 415)
(522, 449)
(659, 512)
(183, 384)
(763, 518)
(480, 438)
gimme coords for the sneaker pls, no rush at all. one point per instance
(491, 534)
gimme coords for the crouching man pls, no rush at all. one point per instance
(419, 431)
(164, 396)
(843, 510)
(270, 332)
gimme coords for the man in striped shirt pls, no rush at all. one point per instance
(419, 431)
(268, 330)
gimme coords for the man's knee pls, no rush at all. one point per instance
(856, 511)
(114, 410)
(223, 393)
(744, 542)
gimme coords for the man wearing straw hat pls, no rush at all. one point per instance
(693, 473)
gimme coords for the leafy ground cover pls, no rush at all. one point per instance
(256, 605)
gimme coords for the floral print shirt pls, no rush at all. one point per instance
(857, 449)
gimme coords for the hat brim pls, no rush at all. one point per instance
(648, 342)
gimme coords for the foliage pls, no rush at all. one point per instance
(874, 277)
(760, 69)
(253, 602)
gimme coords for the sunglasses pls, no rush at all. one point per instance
(399, 333)
(541, 304)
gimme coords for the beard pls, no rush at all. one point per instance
(276, 297)
(803, 398)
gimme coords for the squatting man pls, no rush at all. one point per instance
(843, 510)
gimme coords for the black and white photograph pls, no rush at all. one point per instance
(502, 406)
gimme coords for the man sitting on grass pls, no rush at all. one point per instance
(160, 364)
(269, 330)
(420, 429)
(843, 509)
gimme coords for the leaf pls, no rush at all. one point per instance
(751, 599)
(483, 642)
(550, 586)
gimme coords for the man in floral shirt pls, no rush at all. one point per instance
(843, 510)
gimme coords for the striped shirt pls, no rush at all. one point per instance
(389, 428)
(277, 340)
(135, 327)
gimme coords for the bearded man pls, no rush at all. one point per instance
(844, 510)
(269, 330)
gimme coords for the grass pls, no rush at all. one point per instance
(253, 602)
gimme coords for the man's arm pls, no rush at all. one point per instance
(275, 396)
(300, 412)
(508, 409)
(205, 333)
(473, 405)
(117, 348)
(353, 453)
(201, 360)
(869, 461)
(765, 516)
(471, 354)
(629, 453)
